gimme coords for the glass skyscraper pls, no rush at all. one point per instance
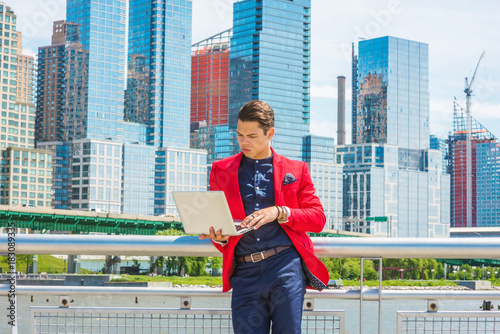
(113, 137)
(159, 70)
(392, 94)
(95, 71)
(270, 61)
(389, 170)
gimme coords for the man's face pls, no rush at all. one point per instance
(253, 142)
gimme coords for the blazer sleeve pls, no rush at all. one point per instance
(310, 216)
(213, 187)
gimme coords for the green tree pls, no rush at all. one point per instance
(194, 266)
(334, 266)
(215, 264)
(369, 271)
(351, 269)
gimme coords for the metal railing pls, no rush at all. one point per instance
(477, 322)
(440, 248)
(467, 248)
(121, 320)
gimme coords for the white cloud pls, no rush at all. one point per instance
(326, 91)
(441, 115)
(35, 19)
(324, 128)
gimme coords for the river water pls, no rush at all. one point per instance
(351, 307)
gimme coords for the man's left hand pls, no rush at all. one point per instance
(261, 217)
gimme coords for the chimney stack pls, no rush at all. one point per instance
(341, 111)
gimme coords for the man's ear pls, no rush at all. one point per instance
(270, 133)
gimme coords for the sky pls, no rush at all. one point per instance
(457, 31)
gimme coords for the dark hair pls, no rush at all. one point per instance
(257, 111)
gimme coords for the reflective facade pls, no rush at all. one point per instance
(319, 153)
(390, 171)
(96, 175)
(138, 185)
(178, 170)
(95, 68)
(392, 93)
(112, 133)
(61, 172)
(440, 144)
(416, 202)
(270, 61)
(159, 70)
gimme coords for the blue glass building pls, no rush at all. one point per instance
(393, 93)
(437, 143)
(270, 61)
(114, 137)
(159, 70)
(389, 170)
(95, 70)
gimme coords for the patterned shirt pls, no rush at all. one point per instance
(256, 181)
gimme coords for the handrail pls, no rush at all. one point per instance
(441, 248)
(368, 294)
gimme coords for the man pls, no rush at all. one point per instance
(269, 267)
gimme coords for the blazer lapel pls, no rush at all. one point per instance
(234, 195)
(278, 170)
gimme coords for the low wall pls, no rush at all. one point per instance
(476, 285)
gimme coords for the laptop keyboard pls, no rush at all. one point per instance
(242, 230)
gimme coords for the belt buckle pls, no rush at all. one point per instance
(257, 253)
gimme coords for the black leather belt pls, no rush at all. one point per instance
(259, 256)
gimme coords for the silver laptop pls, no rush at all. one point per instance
(200, 210)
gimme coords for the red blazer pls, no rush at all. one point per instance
(307, 213)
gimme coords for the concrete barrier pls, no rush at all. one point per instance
(476, 285)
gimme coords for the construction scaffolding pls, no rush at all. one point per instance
(485, 163)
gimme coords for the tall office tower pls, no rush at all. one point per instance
(389, 170)
(319, 153)
(95, 70)
(437, 143)
(25, 176)
(209, 90)
(50, 88)
(270, 61)
(485, 173)
(392, 94)
(159, 70)
(158, 97)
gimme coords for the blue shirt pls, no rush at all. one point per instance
(256, 181)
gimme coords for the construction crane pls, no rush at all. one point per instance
(468, 93)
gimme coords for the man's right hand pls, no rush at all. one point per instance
(215, 236)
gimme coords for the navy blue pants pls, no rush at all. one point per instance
(269, 292)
